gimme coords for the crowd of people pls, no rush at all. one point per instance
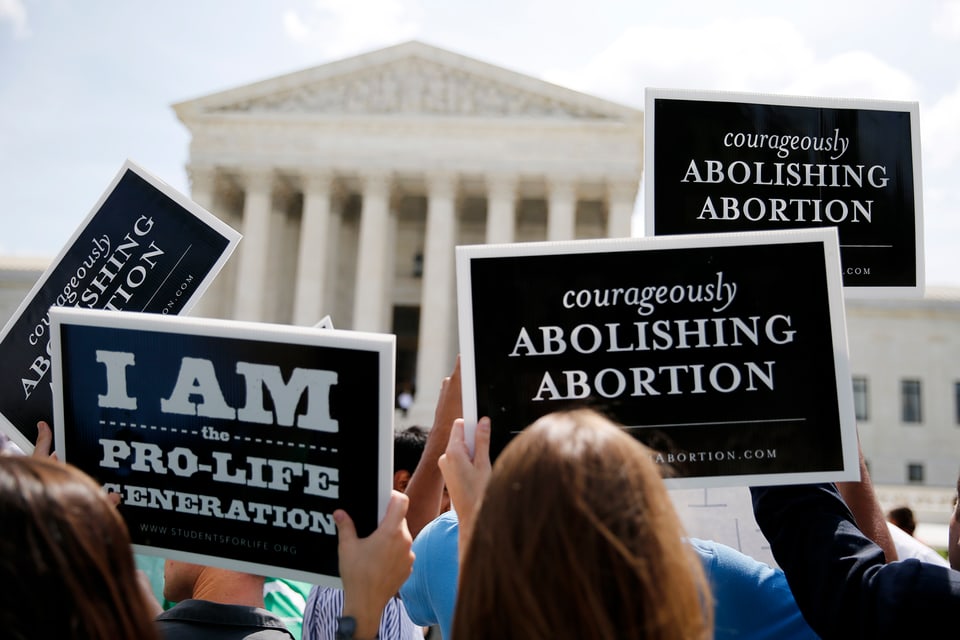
(569, 533)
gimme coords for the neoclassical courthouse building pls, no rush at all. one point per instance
(351, 183)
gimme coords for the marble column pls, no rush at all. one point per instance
(370, 302)
(621, 198)
(313, 257)
(561, 209)
(203, 191)
(501, 208)
(337, 314)
(203, 186)
(251, 281)
(438, 300)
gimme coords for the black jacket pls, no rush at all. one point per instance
(839, 577)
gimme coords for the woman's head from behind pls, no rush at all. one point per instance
(65, 557)
(577, 538)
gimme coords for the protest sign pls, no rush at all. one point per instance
(143, 247)
(230, 443)
(718, 162)
(725, 353)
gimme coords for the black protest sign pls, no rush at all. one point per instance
(719, 162)
(143, 247)
(726, 353)
(230, 443)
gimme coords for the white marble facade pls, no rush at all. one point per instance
(352, 183)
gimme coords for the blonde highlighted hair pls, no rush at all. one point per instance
(577, 538)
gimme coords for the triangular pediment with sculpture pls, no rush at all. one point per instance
(410, 79)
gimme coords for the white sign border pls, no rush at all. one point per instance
(233, 239)
(826, 235)
(382, 344)
(651, 94)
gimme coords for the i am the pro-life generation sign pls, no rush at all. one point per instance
(725, 353)
(717, 162)
(143, 247)
(230, 443)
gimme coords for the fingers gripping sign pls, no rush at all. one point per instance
(44, 444)
(467, 475)
(374, 568)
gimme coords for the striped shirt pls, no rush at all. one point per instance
(325, 605)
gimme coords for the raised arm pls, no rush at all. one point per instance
(839, 577)
(863, 502)
(425, 488)
(467, 476)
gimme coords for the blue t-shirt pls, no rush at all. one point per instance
(753, 601)
(430, 593)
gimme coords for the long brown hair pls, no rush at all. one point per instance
(577, 538)
(65, 557)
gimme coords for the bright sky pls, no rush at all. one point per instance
(85, 85)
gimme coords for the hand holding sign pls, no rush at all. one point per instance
(42, 449)
(44, 444)
(467, 475)
(373, 568)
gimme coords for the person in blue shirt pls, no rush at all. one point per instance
(752, 600)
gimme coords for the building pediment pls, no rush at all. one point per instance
(410, 79)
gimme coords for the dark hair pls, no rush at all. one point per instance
(903, 518)
(408, 446)
(576, 538)
(65, 557)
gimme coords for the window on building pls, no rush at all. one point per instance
(860, 398)
(418, 264)
(956, 401)
(910, 401)
(915, 473)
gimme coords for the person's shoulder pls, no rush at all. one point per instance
(438, 541)
(718, 553)
(702, 546)
(444, 525)
(724, 563)
(208, 613)
(909, 547)
(186, 610)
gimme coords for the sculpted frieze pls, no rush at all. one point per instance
(415, 87)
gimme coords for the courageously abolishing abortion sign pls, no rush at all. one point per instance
(725, 353)
(143, 247)
(718, 162)
(230, 443)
